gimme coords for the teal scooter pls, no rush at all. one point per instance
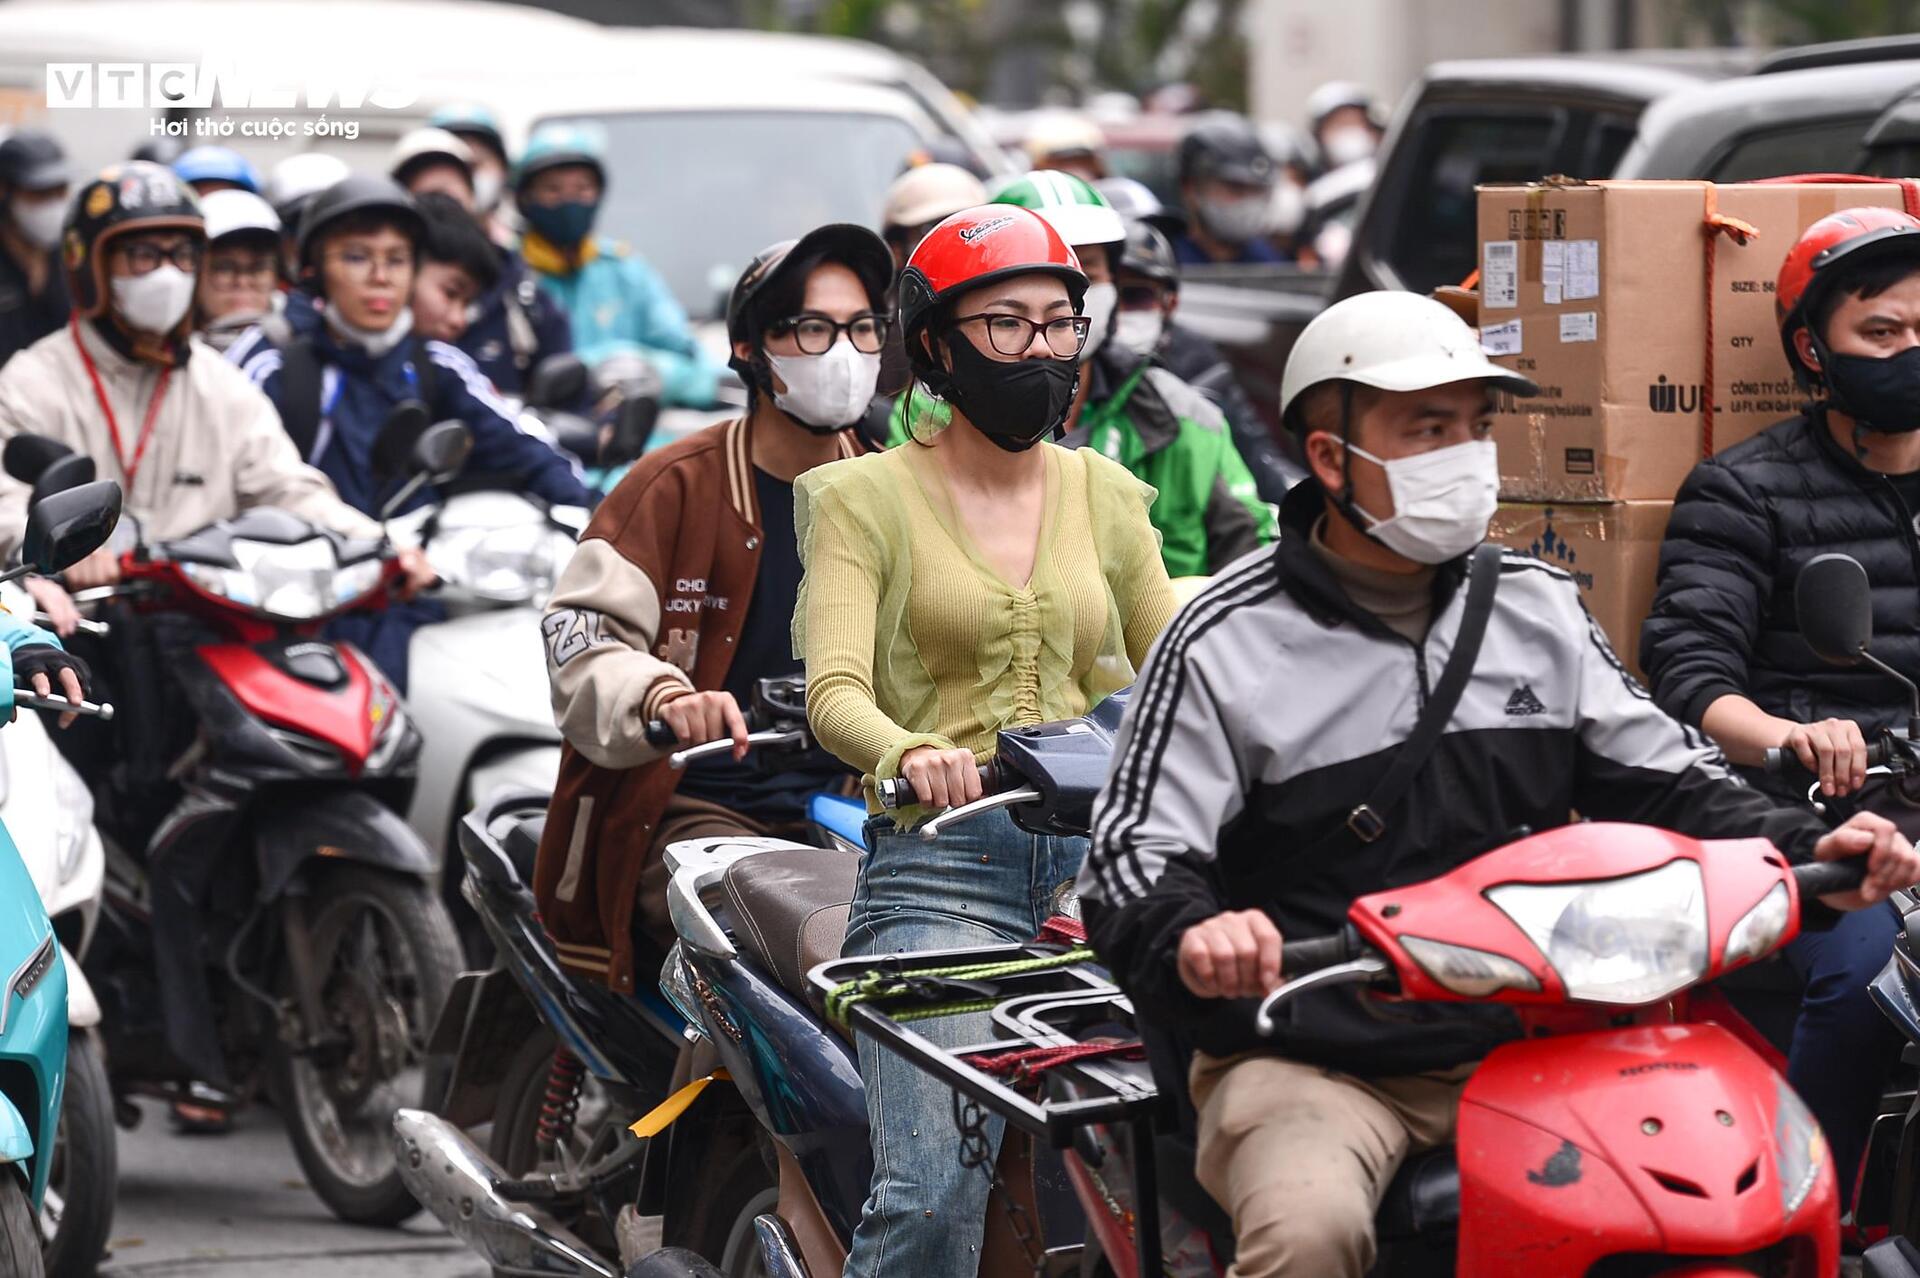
(62, 529)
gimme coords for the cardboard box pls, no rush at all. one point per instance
(1598, 292)
(1612, 550)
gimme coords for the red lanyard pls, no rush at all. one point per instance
(128, 468)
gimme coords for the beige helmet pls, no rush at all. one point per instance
(1391, 341)
(1062, 135)
(930, 192)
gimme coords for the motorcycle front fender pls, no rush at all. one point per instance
(340, 825)
(16, 1136)
(83, 1009)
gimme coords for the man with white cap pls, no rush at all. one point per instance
(236, 289)
(1311, 734)
(432, 159)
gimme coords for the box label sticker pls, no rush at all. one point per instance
(1553, 270)
(1500, 274)
(1580, 461)
(1580, 326)
(1583, 269)
(1501, 339)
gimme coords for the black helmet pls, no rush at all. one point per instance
(855, 247)
(358, 193)
(1224, 145)
(164, 149)
(1146, 252)
(135, 196)
(31, 160)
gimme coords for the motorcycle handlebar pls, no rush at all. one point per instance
(1818, 878)
(1297, 958)
(1781, 761)
(87, 709)
(898, 792)
(659, 734)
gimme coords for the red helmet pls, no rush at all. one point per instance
(1811, 271)
(974, 247)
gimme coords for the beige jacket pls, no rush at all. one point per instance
(217, 448)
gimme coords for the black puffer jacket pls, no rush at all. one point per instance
(1743, 525)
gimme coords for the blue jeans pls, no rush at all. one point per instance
(1844, 1048)
(984, 883)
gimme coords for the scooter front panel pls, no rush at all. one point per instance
(1672, 1139)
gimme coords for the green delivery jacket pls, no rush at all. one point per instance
(1168, 434)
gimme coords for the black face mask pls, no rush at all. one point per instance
(1880, 394)
(1016, 403)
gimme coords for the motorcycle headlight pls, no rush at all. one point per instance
(1759, 929)
(514, 564)
(297, 582)
(1627, 941)
(1802, 1146)
(1468, 973)
(678, 991)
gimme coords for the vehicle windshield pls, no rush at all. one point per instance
(698, 222)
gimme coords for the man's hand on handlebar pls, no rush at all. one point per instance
(419, 573)
(700, 717)
(1835, 750)
(1235, 954)
(1892, 862)
(942, 778)
(50, 597)
(38, 661)
(101, 568)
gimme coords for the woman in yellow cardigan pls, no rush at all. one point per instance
(976, 579)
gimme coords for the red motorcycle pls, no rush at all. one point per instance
(278, 924)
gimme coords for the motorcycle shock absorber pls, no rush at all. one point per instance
(561, 1103)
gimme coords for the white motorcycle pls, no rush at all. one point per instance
(48, 810)
(477, 682)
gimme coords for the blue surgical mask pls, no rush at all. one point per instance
(563, 225)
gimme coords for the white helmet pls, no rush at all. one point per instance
(1392, 341)
(1061, 134)
(301, 175)
(423, 145)
(928, 192)
(231, 211)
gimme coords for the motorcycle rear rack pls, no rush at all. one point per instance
(1033, 1010)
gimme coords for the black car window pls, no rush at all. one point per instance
(1819, 146)
(1433, 241)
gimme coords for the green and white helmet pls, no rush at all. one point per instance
(1070, 205)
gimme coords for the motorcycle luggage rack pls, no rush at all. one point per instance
(1043, 1009)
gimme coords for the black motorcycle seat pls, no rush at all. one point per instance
(1425, 1195)
(791, 908)
(521, 843)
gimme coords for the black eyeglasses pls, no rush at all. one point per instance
(1013, 334)
(143, 258)
(816, 334)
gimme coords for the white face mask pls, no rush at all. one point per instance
(1289, 207)
(486, 190)
(40, 221)
(156, 301)
(826, 392)
(1348, 143)
(1442, 500)
(1140, 331)
(1098, 307)
(1235, 221)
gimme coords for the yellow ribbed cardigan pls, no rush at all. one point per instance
(911, 639)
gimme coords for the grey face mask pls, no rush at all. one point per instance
(1236, 221)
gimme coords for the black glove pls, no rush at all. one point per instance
(44, 658)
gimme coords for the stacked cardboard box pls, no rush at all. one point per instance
(1600, 293)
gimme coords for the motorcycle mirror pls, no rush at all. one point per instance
(65, 527)
(632, 428)
(393, 447)
(27, 456)
(63, 473)
(442, 449)
(1833, 605)
(556, 381)
(575, 434)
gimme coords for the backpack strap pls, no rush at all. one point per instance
(301, 376)
(426, 375)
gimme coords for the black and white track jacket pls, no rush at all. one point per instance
(1268, 710)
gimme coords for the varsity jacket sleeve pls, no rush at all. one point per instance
(603, 623)
(1175, 781)
(267, 470)
(1716, 570)
(504, 442)
(1637, 763)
